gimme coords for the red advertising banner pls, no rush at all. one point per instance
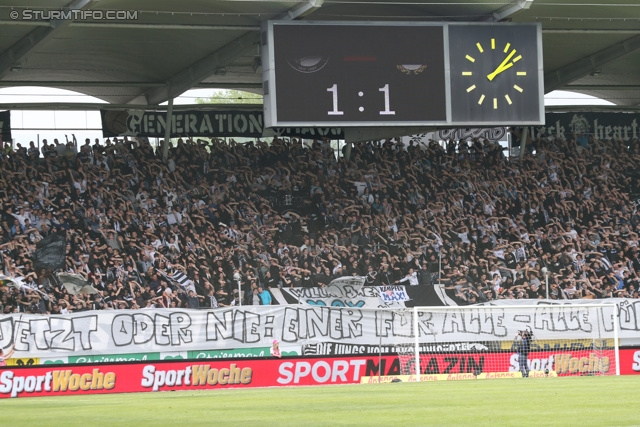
(630, 362)
(193, 375)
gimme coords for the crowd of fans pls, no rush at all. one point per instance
(221, 216)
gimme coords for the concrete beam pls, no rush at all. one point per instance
(20, 49)
(513, 9)
(305, 8)
(561, 77)
(202, 69)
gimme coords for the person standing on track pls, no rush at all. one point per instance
(523, 346)
(275, 349)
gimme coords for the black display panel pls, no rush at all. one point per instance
(373, 74)
(494, 73)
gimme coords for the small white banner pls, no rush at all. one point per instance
(393, 293)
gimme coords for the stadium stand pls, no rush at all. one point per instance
(285, 213)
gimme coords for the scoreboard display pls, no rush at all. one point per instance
(401, 74)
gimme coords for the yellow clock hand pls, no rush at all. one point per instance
(503, 66)
(499, 70)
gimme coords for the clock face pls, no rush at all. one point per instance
(494, 74)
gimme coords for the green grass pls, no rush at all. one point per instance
(577, 401)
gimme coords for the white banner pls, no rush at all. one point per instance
(342, 293)
(390, 294)
(166, 330)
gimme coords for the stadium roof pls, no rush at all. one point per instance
(164, 47)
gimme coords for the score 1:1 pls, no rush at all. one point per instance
(334, 95)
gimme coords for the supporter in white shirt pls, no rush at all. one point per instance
(174, 217)
(21, 216)
(412, 278)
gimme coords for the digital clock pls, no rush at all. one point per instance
(331, 74)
